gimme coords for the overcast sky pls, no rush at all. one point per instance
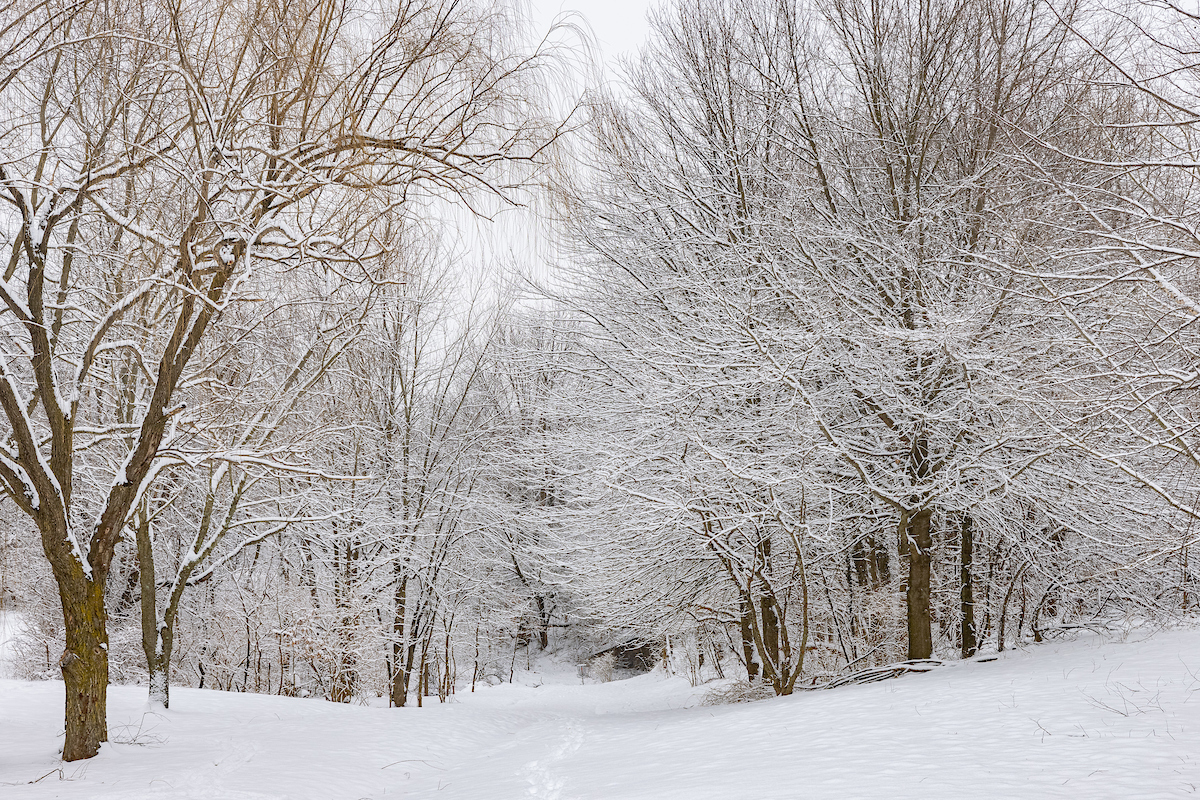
(619, 25)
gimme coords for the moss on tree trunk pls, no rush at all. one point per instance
(84, 666)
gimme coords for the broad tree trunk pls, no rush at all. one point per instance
(920, 545)
(84, 666)
(966, 593)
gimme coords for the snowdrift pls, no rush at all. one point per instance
(1081, 719)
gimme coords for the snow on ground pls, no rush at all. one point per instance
(1082, 719)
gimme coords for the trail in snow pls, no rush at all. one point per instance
(1084, 719)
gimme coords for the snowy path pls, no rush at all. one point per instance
(1072, 720)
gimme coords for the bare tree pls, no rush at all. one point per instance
(156, 157)
(1123, 274)
(795, 265)
(255, 435)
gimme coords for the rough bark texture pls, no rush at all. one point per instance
(84, 666)
(966, 593)
(920, 543)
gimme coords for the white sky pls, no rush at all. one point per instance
(619, 25)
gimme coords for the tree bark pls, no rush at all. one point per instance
(543, 622)
(920, 543)
(84, 666)
(881, 570)
(1001, 632)
(748, 650)
(770, 634)
(400, 670)
(966, 592)
(346, 677)
(155, 633)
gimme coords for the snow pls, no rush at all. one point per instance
(13, 298)
(7, 459)
(11, 626)
(1088, 718)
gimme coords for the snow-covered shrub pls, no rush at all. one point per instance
(601, 667)
(729, 692)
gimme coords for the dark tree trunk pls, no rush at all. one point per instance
(920, 545)
(84, 666)
(1001, 633)
(881, 570)
(861, 559)
(966, 593)
(770, 634)
(400, 670)
(543, 622)
(747, 629)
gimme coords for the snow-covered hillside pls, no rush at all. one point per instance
(1082, 719)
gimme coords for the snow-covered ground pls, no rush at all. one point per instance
(1082, 719)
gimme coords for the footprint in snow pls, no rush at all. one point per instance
(543, 785)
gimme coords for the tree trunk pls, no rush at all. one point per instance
(423, 679)
(156, 639)
(156, 644)
(748, 649)
(920, 543)
(346, 678)
(1000, 632)
(399, 687)
(861, 562)
(543, 622)
(84, 666)
(160, 682)
(881, 570)
(772, 667)
(966, 593)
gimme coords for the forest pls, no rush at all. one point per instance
(367, 351)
